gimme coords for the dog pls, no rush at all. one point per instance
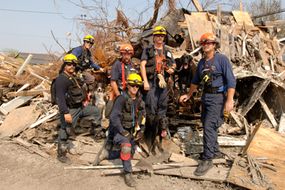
(100, 98)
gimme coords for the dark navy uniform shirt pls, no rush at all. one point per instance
(221, 69)
(78, 52)
(116, 72)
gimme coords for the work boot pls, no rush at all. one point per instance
(203, 167)
(219, 155)
(61, 154)
(101, 156)
(129, 180)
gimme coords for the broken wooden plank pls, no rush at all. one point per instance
(32, 148)
(44, 119)
(197, 5)
(255, 96)
(21, 69)
(178, 158)
(216, 174)
(18, 120)
(198, 24)
(235, 116)
(281, 127)
(26, 93)
(227, 141)
(266, 143)
(268, 113)
(16, 102)
(242, 18)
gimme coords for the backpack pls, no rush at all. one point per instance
(52, 92)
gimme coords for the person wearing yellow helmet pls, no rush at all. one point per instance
(69, 96)
(214, 75)
(84, 56)
(157, 66)
(127, 125)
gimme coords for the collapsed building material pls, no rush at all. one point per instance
(18, 120)
(264, 143)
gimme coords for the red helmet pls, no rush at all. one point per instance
(127, 48)
(208, 37)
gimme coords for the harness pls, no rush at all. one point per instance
(75, 94)
(132, 112)
(83, 59)
(124, 74)
(208, 76)
(156, 63)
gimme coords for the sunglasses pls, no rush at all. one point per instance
(71, 64)
(207, 43)
(135, 85)
(89, 42)
(159, 35)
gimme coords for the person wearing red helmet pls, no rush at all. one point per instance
(215, 77)
(120, 70)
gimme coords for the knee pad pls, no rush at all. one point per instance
(126, 149)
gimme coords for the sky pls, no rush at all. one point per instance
(26, 25)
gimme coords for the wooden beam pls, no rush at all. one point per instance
(26, 93)
(268, 113)
(281, 128)
(21, 69)
(197, 5)
(255, 96)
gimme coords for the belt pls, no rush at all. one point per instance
(212, 90)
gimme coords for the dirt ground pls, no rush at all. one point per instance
(20, 169)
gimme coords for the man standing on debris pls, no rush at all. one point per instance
(127, 125)
(120, 70)
(214, 74)
(69, 97)
(84, 57)
(157, 64)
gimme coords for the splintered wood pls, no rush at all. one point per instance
(266, 144)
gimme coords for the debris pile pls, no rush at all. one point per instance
(30, 120)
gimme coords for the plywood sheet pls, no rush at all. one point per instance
(198, 24)
(18, 120)
(242, 18)
(269, 144)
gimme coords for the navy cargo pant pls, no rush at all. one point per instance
(119, 139)
(212, 119)
(89, 111)
(156, 100)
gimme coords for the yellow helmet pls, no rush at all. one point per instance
(134, 78)
(70, 58)
(88, 38)
(159, 30)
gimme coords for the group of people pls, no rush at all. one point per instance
(139, 100)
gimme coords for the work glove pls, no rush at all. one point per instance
(126, 134)
(139, 135)
(161, 82)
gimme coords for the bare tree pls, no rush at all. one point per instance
(260, 7)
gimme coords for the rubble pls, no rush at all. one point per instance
(256, 57)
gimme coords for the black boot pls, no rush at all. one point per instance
(61, 153)
(203, 167)
(129, 180)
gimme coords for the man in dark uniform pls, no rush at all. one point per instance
(157, 64)
(84, 56)
(127, 125)
(69, 97)
(214, 73)
(120, 70)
